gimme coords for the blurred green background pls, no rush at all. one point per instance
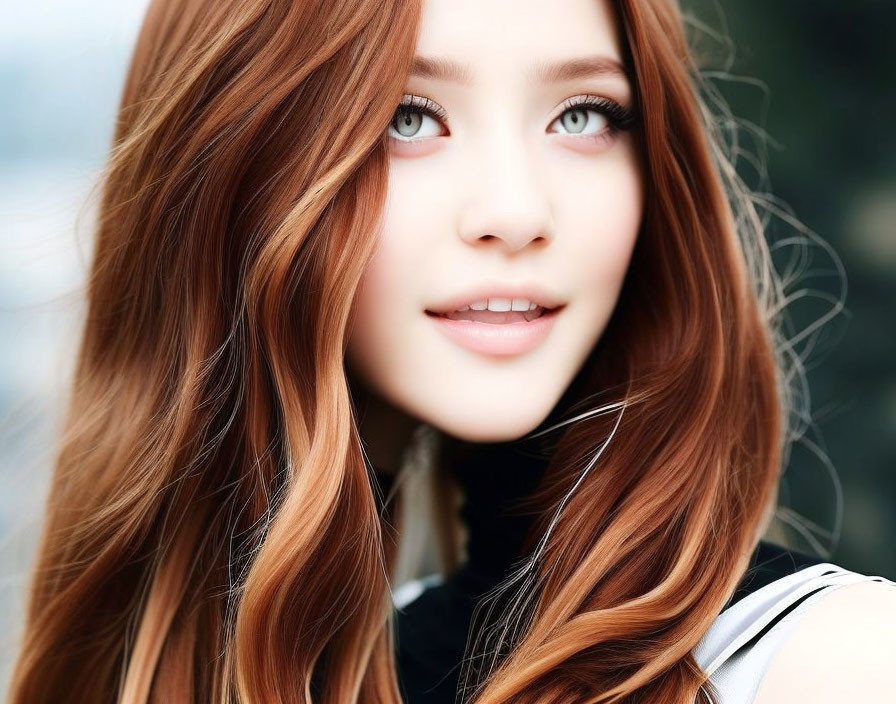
(819, 77)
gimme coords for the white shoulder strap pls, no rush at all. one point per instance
(738, 647)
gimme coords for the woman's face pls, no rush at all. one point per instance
(499, 190)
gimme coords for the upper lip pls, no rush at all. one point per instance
(533, 292)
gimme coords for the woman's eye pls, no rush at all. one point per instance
(598, 118)
(416, 119)
(408, 124)
(583, 121)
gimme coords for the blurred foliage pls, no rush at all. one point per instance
(818, 77)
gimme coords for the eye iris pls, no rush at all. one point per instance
(574, 120)
(408, 123)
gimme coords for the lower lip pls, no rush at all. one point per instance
(503, 339)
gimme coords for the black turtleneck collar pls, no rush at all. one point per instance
(431, 632)
(492, 478)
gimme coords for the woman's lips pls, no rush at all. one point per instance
(498, 333)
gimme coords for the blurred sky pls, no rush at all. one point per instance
(62, 65)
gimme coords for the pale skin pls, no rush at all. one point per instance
(499, 190)
(502, 189)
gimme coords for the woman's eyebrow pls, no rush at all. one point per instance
(441, 69)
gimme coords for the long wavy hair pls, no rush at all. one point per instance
(213, 531)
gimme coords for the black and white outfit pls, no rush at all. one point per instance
(433, 615)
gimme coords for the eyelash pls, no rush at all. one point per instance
(619, 117)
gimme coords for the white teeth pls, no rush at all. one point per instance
(501, 305)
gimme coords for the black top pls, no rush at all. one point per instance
(431, 631)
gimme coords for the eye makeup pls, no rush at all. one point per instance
(413, 103)
(619, 117)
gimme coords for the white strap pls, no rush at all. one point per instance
(739, 623)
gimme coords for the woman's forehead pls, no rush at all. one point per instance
(494, 34)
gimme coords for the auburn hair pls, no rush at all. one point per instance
(213, 532)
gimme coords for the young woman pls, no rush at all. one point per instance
(501, 232)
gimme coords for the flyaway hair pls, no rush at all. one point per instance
(213, 531)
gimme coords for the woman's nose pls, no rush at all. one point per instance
(506, 197)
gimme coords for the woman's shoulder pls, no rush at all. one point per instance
(842, 647)
(801, 629)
